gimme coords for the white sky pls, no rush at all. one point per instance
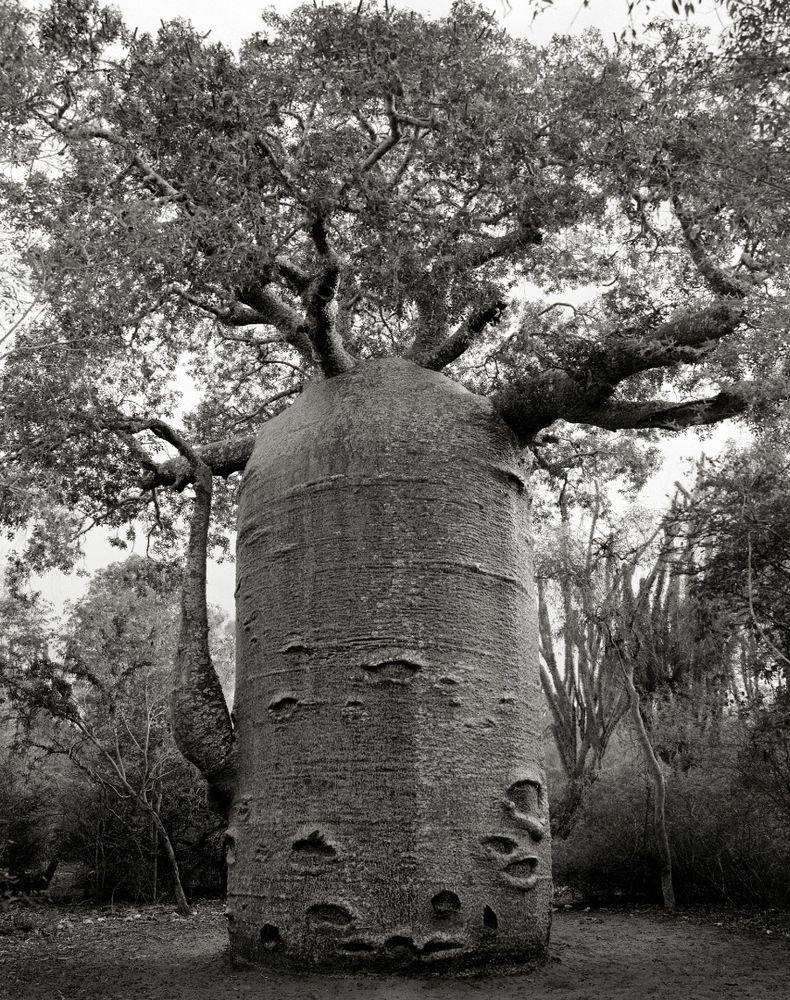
(233, 20)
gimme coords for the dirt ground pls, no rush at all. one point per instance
(152, 954)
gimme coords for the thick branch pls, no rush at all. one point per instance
(531, 404)
(250, 338)
(432, 323)
(463, 337)
(223, 458)
(256, 307)
(525, 235)
(276, 313)
(169, 434)
(684, 339)
(202, 727)
(431, 305)
(730, 402)
(294, 276)
(319, 300)
(381, 149)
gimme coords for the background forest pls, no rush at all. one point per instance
(664, 649)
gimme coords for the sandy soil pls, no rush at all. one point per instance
(152, 954)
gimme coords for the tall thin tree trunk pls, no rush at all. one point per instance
(659, 791)
(178, 889)
(155, 837)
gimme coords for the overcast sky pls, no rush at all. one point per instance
(233, 20)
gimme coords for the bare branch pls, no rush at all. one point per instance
(281, 167)
(432, 330)
(407, 160)
(463, 337)
(219, 458)
(386, 144)
(256, 307)
(379, 151)
(138, 452)
(267, 403)
(166, 433)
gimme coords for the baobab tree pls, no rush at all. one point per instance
(340, 213)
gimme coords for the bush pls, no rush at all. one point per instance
(29, 817)
(117, 844)
(106, 846)
(729, 841)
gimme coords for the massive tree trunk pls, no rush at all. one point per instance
(390, 806)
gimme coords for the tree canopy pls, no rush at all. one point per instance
(203, 231)
(736, 522)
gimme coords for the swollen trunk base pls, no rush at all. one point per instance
(391, 806)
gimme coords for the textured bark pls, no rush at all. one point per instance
(222, 457)
(201, 722)
(391, 805)
(453, 347)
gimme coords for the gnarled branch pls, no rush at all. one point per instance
(657, 413)
(716, 277)
(463, 337)
(381, 148)
(223, 458)
(319, 301)
(530, 404)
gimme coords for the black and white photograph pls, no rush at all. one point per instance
(394, 499)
